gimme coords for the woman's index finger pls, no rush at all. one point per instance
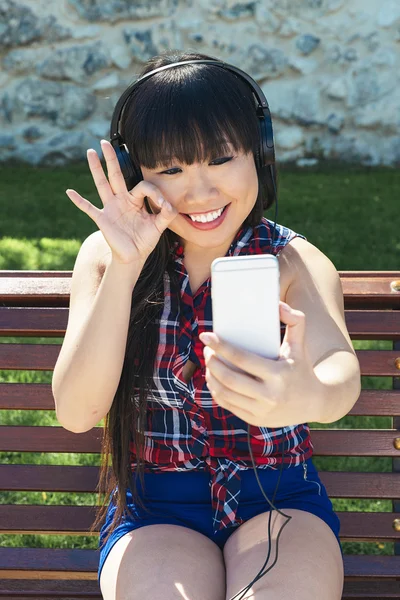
(100, 180)
(116, 178)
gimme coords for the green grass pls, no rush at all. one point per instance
(349, 213)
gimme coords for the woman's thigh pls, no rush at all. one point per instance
(309, 562)
(163, 562)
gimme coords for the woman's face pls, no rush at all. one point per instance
(203, 187)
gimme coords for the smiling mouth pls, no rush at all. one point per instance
(205, 212)
(206, 224)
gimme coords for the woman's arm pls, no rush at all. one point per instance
(90, 362)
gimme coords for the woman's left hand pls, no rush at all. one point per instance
(272, 393)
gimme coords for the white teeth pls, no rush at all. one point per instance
(207, 216)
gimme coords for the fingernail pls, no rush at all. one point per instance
(207, 352)
(206, 338)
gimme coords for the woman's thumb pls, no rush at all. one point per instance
(296, 322)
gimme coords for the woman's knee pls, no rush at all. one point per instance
(309, 562)
(167, 562)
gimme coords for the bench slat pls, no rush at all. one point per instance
(366, 291)
(24, 589)
(374, 403)
(327, 442)
(56, 478)
(39, 396)
(33, 321)
(43, 357)
(375, 363)
(373, 324)
(370, 590)
(67, 274)
(52, 322)
(370, 566)
(48, 560)
(30, 357)
(73, 520)
(68, 478)
(38, 287)
(355, 442)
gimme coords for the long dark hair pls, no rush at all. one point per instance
(214, 106)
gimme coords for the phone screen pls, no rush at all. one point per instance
(245, 293)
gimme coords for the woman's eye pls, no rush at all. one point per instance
(222, 160)
(168, 172)
(217, 161)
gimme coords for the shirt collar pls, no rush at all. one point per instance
(177, 250)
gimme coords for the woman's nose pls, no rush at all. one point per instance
(200, 187)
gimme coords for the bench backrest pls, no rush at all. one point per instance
(35, 304)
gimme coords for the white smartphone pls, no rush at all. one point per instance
(245, 294)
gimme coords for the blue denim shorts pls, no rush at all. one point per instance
(183, 498)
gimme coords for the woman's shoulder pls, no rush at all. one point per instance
(297, 256)
(98, 252)
(282, 245)
(101, 251)
(276, 235)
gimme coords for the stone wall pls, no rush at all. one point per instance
(329, 69)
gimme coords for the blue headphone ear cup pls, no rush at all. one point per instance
(265, 155)
(266, 152)
(131, 173)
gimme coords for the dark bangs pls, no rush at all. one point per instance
(188, 113)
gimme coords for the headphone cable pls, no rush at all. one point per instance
(261, 573)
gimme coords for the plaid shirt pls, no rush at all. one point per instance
(186, 428)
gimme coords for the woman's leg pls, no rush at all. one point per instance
(309, 565)
(163, 562)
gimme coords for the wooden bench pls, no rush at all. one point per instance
(35, 304)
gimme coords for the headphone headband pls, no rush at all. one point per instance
(262, 108)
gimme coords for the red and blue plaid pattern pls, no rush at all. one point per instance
(186, 428)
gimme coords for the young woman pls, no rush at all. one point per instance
(194, 526)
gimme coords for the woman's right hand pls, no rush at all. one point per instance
(129, 229)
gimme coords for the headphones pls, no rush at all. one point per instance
(264, 158)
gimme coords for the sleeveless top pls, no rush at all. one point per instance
(186, 429)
